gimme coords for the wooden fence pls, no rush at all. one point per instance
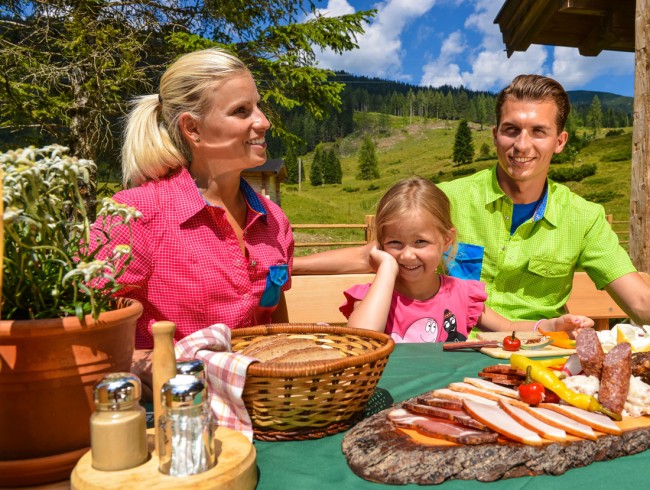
(619, 227)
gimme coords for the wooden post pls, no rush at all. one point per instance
(370, 228)
(2, 239)
(639, 246)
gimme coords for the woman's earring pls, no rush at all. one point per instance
(197, 139)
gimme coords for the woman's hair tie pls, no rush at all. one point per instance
(160, 99)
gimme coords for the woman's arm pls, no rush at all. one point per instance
(372, 311)
(491, 320)
(349, 260)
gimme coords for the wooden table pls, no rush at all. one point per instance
(412, 370)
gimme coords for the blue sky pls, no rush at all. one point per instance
(455, 42)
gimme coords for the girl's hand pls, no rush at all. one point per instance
(570, 322)
(384, 260)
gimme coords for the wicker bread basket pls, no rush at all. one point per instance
(309, 400)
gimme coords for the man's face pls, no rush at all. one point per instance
(526, 139)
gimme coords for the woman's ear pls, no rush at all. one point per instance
(189, 128)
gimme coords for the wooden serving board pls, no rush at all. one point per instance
(499, 353)
(235, 470)
(379, 452)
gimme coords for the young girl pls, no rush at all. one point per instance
(408, 298)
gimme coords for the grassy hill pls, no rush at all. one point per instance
(424, 147)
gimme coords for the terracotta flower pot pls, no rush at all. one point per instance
(48, 369)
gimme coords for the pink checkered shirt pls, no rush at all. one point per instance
(187, 265)
(225, 372)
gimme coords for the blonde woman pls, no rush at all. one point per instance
(208, 249)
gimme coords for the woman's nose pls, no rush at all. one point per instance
(260, 121)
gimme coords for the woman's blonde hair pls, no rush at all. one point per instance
(153, 144)
(413, 194)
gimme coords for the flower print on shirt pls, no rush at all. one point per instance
(422, 330)
(450, 325)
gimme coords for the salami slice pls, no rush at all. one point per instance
(615, 377)
(589, 351)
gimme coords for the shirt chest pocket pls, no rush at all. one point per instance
(275, 279)
(549, 267)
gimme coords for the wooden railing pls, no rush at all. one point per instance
(368, 227)
(621, 228)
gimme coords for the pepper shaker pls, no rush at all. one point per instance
(118, 427)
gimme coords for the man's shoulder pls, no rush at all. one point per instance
(562, 196)
(477, 179)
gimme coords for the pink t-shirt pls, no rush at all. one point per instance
(447, 317)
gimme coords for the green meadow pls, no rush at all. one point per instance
(424, 147)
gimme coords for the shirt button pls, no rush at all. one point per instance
(253, 263)
(507, 218)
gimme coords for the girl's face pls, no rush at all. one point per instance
(417, 244)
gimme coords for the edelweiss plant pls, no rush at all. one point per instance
(50, 266)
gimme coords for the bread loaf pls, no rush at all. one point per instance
(286, 348)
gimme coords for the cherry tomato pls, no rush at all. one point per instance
(531, 392)
(511, 343)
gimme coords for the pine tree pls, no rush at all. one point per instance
(595, 115)
(316, 171)
(367, 169)
(463, 145)
(291, 164)
(332, 172)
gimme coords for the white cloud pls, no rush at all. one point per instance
(380, 47)
(574, 70)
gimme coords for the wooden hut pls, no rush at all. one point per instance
(593, 26)
(266, 178)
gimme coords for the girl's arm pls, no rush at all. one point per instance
(491, 320)
(371, 312)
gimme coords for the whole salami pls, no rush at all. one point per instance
(589, 351)
(615, 378)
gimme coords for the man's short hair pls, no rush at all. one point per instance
(536, 88)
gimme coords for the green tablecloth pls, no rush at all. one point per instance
(411, 370)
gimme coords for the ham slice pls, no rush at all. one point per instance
(493, 387)
(460, 396)
(531, 422)
(459, 416)
(597, 421)
(499, 421)
(475, 390)
(439, 428)
(562, 422)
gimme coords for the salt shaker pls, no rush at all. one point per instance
(118, 427)
(194, 367)
(186, 431)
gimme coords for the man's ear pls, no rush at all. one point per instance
(562, 139)
(189, 127)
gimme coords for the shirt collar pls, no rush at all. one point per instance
(187, 201)
(543, 210)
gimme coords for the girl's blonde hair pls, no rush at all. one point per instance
(153, 144)
(413, 194)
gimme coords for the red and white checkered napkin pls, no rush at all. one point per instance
(226, 374)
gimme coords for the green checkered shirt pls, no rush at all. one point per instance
(528, 275)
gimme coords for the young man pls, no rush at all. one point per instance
(518, 232)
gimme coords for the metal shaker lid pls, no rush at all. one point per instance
(194, 367)
(117, 389)
(183, 390)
